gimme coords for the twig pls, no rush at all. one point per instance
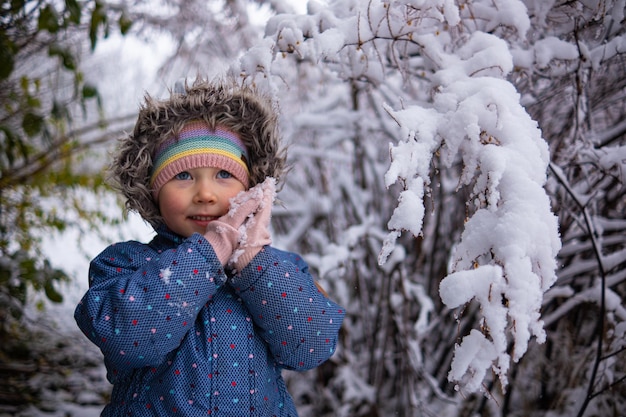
(613, 384)
(596, 250)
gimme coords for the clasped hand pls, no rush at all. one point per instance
(239, 235)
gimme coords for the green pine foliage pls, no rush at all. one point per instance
(42, 153)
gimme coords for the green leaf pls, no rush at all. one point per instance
(33, 102)
(48, 19)
(7, 146)
(7, 63)
(69, 61)
(74, 8)
(52, 294)
(59, 110)
(12, 148)
(32, 124)
(98, 18)
(17, 5)
(89, 91)
(24, 82)
(67, 58)
(125, 23)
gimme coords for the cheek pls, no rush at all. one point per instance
(163, 208)
(167, 204)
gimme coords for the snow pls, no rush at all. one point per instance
(505, 259)
(165, 275)
(612, 158)
(477, 117)
(551, 48)
(471, 361)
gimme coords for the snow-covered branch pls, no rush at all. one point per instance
(448, 76)
(506, 257)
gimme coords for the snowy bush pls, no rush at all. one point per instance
(430, 104)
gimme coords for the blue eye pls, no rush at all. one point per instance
(183, 175)
(224, 174)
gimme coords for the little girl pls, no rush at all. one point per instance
(201, 320)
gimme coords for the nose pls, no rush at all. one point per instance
(204, 192)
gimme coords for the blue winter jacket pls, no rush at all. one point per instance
(179, 339)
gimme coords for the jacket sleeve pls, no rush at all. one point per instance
(299, 323)
(141, 302)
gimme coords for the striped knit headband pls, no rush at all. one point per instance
(197, 146)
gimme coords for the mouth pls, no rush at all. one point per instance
(202, 219)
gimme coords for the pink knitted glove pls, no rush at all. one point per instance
(255, 231)
(224, 233)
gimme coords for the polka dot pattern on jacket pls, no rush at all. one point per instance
(180, 337)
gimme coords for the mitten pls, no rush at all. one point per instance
(223, 233)
(255, 231)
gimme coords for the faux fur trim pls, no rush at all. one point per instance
(241, 109)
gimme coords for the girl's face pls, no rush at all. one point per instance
(193, 198)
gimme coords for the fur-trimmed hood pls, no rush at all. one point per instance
(240, 109)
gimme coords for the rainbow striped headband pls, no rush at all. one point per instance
(197, 145)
